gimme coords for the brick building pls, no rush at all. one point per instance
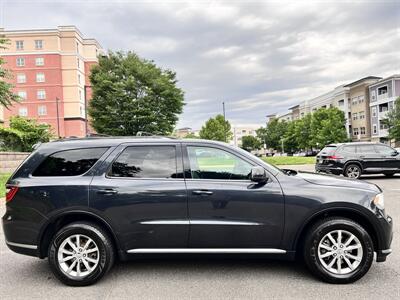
(50, 70)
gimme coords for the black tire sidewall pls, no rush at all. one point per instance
(311, 248)
(353, 165)
(102, 242)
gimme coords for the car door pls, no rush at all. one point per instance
(226, 209)
(389, 161)
(370, 159)
(141, 192)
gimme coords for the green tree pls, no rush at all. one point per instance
(273, 133)
(290, 141)
(6, 94)
(392, 121)
(191, 136)
(217, 129)
(328, 126)
(23, 133)
(132, 94)
(303, 134)
(250, 142)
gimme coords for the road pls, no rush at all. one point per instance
(24, 277)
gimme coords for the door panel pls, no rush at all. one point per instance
(145, 212)
(226, 209)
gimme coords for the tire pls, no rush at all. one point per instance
(90, 264)
(353, 171)
(317, 240)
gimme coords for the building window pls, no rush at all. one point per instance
(22, 94)
(20, 61)
(374, 111)
(23, 111)
(382, 90)
(354, 101)
(41, 94)
(39, 61)
(21, 78)
(40, 77)
(362, 130)
(361, 115)
(355, 117)
(373, 96)
(355, 131)
(19, 45)
(38, 44)
(341, 103)
(375, 129)
(42, 110)
(383, 126)
(360, 99)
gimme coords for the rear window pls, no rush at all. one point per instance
(69, 162)
(328, 150)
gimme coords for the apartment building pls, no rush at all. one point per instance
(341, 100)
(382, 95)
(239, 132)
(359, 108)
(50, 70)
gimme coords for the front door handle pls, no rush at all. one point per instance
(202, 192)
(107, 192)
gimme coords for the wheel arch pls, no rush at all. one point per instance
(343, 212)
(63, 219)
(352, 162)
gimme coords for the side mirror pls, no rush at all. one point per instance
(258, 174)
(395, 153)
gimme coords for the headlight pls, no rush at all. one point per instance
(379, 201)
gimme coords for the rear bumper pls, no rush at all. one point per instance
(331, 169)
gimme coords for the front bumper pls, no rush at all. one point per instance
(385, 237)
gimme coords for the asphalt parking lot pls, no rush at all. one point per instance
(24, 277)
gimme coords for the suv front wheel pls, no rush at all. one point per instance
(338, 250)
(353, 171)
(80, 254)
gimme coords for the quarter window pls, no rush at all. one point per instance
(70, 162)
(146, 162)
(213, 163)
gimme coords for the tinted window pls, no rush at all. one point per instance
(349, 149)
(366, 149)
(70, 162)
(381, 149)
(212, 163)
(146, 162)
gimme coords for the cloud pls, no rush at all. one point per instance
(257, 57)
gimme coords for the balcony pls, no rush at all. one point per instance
(382, 96)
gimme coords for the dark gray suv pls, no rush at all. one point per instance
(84, 203)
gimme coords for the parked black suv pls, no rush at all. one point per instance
(85, 202)
(354, 159)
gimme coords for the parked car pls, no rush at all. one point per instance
(354, 159)
(84, 203)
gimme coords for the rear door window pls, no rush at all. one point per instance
(366, 149)
(69, 162)
(146, 162)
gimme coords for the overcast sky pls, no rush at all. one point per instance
(260, 57)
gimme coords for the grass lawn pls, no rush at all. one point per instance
(3, 179)
(289, 160)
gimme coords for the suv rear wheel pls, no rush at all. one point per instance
(338, 250)
(353, 171)
(80, 254)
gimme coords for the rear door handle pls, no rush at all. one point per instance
(107, 192)
(202, 192)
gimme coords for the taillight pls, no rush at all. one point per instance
(334, 157)
(10, 192)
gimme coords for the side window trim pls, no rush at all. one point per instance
(121, 148)
(186, 162)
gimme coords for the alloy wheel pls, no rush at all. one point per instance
(353, 172)
(78, 256)
(340, 252)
